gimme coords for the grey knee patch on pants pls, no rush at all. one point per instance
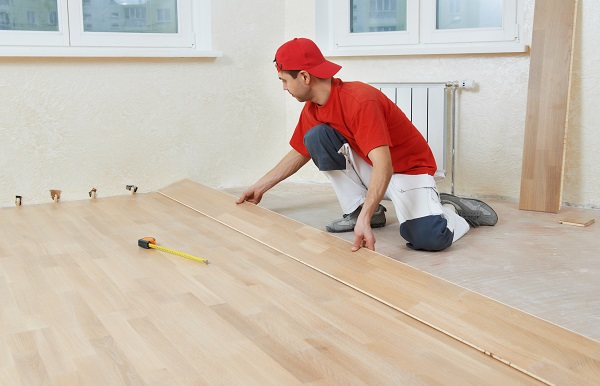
(429, 233)
(323, 143)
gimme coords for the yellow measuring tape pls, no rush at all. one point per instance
(150, 242)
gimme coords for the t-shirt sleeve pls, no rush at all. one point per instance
(297, 140)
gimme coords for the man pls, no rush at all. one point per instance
(369, 150)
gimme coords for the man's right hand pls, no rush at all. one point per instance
(289, 165)
(252, 195)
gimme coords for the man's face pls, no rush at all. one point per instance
(298, 88)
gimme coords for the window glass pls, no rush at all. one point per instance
(456, 14)
(21, 15)
(133, 16)
(377, 15)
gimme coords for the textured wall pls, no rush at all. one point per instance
(582, 181)
(73, 124)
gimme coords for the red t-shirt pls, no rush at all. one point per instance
(368, 119)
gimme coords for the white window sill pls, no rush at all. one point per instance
(430, 49)
(115, 52)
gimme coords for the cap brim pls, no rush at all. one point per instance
(325, 70)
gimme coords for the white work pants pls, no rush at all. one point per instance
(413, 196)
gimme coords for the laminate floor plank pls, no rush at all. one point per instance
(526, 342)
(81, 303)
(548, 93)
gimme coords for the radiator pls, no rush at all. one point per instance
(425, 105)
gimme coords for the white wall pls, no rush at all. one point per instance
(73, 124)
(582, 180)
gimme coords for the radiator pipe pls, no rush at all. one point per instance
(453, 86)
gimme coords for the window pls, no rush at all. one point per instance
(351, 27)
(105, 28)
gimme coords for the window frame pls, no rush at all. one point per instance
(332, 21)
(192, 40)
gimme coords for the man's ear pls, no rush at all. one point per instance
(304, 76)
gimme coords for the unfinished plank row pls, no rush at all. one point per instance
(536, 347)
(81, 303)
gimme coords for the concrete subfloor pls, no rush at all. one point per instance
(528, 260)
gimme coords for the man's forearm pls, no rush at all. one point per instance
(290, 164)
(380, 179)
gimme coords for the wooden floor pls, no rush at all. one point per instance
(81, 303)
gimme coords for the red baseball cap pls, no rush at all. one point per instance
(303, 54)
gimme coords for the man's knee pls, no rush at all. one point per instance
(428, 233)
(323, 143)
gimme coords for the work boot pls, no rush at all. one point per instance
(474, 211)
(348, 221)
